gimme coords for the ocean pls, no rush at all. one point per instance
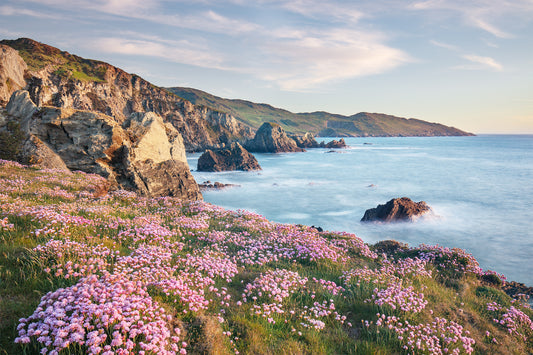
(480, 189)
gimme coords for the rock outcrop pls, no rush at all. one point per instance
(143, 154)
(271, 138)
(233, 158)
(397, 209)
(12, 69)
(334, 144)
(68, 81)
(306, 141)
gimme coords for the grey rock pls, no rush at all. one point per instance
(12, 69)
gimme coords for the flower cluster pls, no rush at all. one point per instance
(398, 297)
(108, 315)
(438, 337)
(275, 284)
(513, 319)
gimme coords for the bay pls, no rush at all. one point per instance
(480, 188)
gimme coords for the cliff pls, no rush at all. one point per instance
(322, 124)
(57, 78)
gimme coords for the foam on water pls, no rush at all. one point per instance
(479, 187)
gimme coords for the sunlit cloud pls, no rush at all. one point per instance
(481, 63)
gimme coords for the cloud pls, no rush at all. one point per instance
(317, 59)
(16, 11)
(482, 14)
(482, 63)
(175, 51)
(450, 47)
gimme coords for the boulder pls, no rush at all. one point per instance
(233, 158)
(390, 247)
(334, 144)
(271, 138)
(305, 141)
(397, 209)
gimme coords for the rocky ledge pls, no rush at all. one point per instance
(233, 158)
(396, 210)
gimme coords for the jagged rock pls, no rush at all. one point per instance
(20, 105)
(142, 154)
(305, 141)
(334, 144)
(113, 92)
(12, 68)
(234, 158)
(397, 209)
(271, 138)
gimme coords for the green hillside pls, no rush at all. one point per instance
(319, 123)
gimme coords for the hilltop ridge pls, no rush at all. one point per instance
(320, 123)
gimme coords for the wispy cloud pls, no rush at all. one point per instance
(7, 10)
(174, 51)
(450, 47)
(482, 14)
(481, 63)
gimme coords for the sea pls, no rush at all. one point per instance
(480, 189)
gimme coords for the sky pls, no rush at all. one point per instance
(467, 64)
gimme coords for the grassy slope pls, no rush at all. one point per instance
(361, 124)
(164, 250)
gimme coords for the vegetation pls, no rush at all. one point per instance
(65, 65)
(321, 123)
(84, 270)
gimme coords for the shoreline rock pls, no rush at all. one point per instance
(271, 138)
(233, 158)
(397, 210)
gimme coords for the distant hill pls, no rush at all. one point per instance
(320, 123)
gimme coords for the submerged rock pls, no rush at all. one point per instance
(271, 138)
(207, 185)
(397, 209)
(233, 158)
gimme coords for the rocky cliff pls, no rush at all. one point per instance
(143, 153)
(57, 78)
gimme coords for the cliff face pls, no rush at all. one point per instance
(59, 79)
(142, 154)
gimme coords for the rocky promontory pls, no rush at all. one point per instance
(397, 210)
(233, 158)
(271, 138)
(143, 153)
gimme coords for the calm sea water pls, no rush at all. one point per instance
(481, 189)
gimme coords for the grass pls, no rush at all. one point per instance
(58, 229)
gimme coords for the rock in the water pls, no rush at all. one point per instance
(334, 144)
(233, 158)
(207, 185)
(397, 209)
(271, 138)
(305, 141)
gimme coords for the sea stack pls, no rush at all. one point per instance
(397, 210)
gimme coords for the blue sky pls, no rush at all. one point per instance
(467, 64)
